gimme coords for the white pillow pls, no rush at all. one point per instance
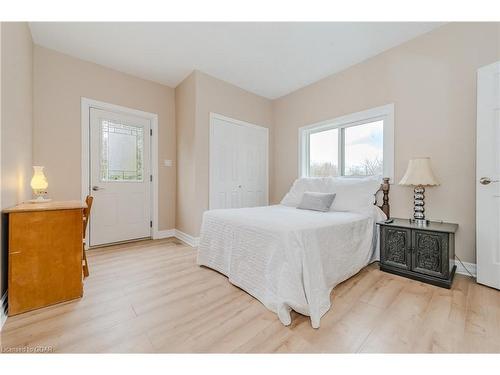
(354, 192)
(301, 185)
(316, 201)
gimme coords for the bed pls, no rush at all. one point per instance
(290, 258)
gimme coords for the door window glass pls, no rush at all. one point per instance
(122, 152)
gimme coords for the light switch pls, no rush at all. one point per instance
(167, 163)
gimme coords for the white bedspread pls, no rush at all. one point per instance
(289, 258)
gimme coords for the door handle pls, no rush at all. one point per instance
(486, 180)
(96, 188)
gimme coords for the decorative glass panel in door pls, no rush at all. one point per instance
(122, 152)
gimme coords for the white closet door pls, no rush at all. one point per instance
(253, 154)
(238, 164)
(488, 176)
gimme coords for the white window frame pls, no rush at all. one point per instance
(385, 113)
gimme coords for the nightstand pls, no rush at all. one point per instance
(424, 253)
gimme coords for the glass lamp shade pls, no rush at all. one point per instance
(39, 181)
(39, 185)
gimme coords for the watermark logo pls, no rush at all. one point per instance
(26, 349)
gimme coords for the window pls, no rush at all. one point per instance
(122, 152)
(364, 149)
(323, 153)
(360, 144)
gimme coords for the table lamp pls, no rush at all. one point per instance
(419, 174)
(39, 185)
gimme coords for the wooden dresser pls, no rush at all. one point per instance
(45, 254)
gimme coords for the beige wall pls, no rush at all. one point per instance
(185, 118)
(212, 95)
(16, 122)
(432, 82)
(59, 83)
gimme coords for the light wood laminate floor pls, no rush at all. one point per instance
(152, 297)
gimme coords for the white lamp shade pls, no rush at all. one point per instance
(419, 172)
(38, 181)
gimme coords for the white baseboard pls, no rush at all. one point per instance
(190, 240)
(471, 267)
(3, 310)
(164, 234)
(184, 237)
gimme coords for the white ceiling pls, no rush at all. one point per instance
(268, 59)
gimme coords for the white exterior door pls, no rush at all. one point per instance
(488, 176)
(119, 177)
(238, 164)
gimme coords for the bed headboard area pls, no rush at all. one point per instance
(384, 188)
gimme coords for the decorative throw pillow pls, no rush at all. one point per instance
(316, 201)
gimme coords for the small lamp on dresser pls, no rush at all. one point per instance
(419, 174)
(39, 185)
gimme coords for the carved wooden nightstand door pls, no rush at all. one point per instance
(395, 249)
(430, 253)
